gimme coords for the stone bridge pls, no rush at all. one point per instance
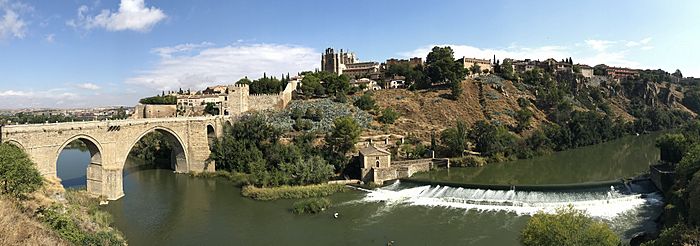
(110, 142)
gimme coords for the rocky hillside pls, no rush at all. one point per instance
(494, 99)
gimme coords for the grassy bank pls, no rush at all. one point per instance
(20, 228)
(291, 192)
(54, 216)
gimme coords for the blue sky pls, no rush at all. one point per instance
(76, 53)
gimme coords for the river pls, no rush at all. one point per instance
(163, 208)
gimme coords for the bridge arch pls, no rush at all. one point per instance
(178, 156)
(93, 172)
(92, 144)
(16, 144)
(211, 136)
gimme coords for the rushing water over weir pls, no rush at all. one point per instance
(604, 203)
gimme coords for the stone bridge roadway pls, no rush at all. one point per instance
(110, 142)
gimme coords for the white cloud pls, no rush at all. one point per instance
(58, 93)
(599, 45)
(88, 86)
(50, 38)
(132, 15)
(638, 43)
(168, 51)
(201, 66)
(11, 24)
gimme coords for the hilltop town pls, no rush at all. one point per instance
(492, 90)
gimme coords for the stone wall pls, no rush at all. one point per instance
(272, 101)
(384, 174)
(264, 102)
(237, 101)
(143, 111)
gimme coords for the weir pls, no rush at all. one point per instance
(599, 200)
(527, 187)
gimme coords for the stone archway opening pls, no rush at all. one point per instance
(211, 136)
(157, 149)
(79, 165)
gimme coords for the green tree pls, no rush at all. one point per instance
(672, 147)
(677, 73)
(159, 100)
(18, 174)
(456, 139)
(341, 140)
(523, 117)
(211, 109)
(243, 81)
(389, 116)
(441, 67)
(312, 170)
(507, 70)
(365, 102)
(567, 227)
(475, 69)
(311, 85)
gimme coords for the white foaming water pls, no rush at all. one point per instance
(604, 204)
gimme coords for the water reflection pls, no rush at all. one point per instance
(621, 158)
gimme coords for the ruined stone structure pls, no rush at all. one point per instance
(233, 100)
(376, 165)
(110, 142)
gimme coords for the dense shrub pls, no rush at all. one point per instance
(291, 192)
(365, 102)
(160, 100)
(311, 206)
(567, 227)
(18, 174)
(389, 116)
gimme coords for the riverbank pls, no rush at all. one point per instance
(54, 216)
(291, 192)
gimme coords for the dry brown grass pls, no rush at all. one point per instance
(18, 228)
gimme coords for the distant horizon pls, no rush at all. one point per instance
(113, 52)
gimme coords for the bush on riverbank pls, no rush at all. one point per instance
(311, 206)
(468, 161)
(567, 227)
(238, 179)
(291, 192)
(18, 174)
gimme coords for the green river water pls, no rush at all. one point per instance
(164, 208)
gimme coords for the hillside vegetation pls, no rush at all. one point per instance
(491, 98)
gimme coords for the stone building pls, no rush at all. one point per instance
(586, 71)
(412, 62)
(377, 167)
(483, 63)
(621, 72)
(347, 63)
(336, 62)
